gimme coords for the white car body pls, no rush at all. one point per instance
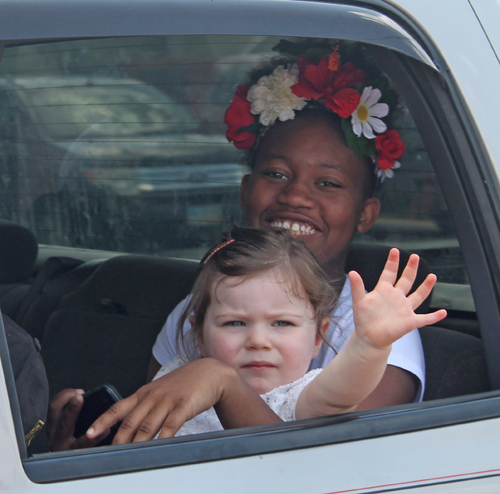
(459, 457)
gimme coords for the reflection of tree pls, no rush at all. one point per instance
(81, 213)
(8, 169)
(88, 218)
(429, 202)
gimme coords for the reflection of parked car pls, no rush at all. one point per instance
(98, 320)
(115, 138)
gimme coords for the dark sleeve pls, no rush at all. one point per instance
(29, 374)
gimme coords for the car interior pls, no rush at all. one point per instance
(116, 177)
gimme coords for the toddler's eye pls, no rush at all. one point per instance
(283, 324)
(235, 323)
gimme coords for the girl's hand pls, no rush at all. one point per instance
(61, 418)
(387, 313)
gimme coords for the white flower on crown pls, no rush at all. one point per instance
(366, 117)
(273, 98)
(389, 173)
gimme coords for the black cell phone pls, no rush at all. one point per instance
(95, 403)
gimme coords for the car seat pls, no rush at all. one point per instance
(369, 259)
(103, 331)
(455, 363)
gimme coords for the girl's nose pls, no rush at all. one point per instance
(296, 195)
(258, 338)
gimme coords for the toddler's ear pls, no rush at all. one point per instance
(323, 329)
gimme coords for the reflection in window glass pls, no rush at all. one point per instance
(119, 144)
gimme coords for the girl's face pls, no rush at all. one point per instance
(260, 329)
(307, 179)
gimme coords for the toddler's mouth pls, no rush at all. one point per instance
(259, 365)
(295, 227)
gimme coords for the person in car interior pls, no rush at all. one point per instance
(317, 127)
(258, 312)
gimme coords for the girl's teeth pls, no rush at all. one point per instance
(296, 228)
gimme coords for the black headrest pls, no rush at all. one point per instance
(368, 259)
(18, 252)
(134, 285)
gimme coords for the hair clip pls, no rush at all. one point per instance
(217, 248)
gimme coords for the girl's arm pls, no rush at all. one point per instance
(380, 317)
(166, 403)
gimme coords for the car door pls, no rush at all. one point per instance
(96, 172)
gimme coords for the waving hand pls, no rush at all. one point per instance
(388, 312)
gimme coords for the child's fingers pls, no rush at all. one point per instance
(409, 274)
(431, 318)
(357, 286)
(390, 271)
(423, 291)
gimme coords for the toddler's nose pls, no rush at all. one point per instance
(258, 338)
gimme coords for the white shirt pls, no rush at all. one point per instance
(407, 352)
(281, 400)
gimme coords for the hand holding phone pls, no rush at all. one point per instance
(95, 403)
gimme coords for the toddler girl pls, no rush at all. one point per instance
(261, 306)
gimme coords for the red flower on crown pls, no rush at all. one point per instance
(390, 148)
(237, 116)
(330, 80)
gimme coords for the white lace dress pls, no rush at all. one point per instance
(281, 400)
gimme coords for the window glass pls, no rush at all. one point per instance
(119, 144)
(414, 215)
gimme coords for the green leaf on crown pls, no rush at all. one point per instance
(253, 128)
(362, 146)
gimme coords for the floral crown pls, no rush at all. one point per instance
(317, 73)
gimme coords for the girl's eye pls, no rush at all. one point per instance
(235, 323)
(283, 324)
(278, 175)
(328, 183)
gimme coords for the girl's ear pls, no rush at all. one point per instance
(323, 329)
(369, 214)
(199, 335)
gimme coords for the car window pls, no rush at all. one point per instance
(122, 147)
(118, 146)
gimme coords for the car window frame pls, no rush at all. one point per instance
(303, 18)
(478, 256)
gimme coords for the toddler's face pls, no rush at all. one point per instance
(260, 329)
